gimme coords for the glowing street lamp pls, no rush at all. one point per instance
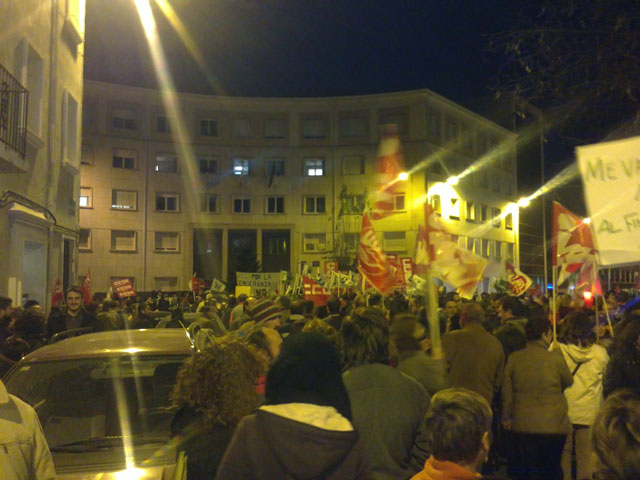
(403, 176)
(586, 221)
(524, 202)
(453, 180)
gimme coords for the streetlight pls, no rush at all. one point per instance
(586, 221)
(453, 180)
(524, 202)
(403, 176)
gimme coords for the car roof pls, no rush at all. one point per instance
(165, 341)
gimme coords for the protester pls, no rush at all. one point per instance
(214, 390)
(458, 426)
(623, 370)
(616, 437)
(388, 407)
(24, 451)
(303, 430)
(587, 362)
(513, 317)
(74, 316)
(534, 407)
(475, 359)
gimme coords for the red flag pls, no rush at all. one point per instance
(87, 296)
(397, 270)
(314, 291)
(518, 282)
(449, 262)
(197, 284)
(57, 296)
(588, 277)
(390, 165)
(372, 262)
(421, 259)
(572, 242)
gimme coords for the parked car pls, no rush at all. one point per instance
(103, 401)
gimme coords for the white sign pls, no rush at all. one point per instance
(611, 177)
(260, 283)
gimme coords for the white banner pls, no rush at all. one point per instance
(611, 177)
(260, 283)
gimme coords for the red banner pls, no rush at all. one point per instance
(197, 284)
(87, 296)
(57, 296)
(123, 288)
(372, 262)
(314, 291)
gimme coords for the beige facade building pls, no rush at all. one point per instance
(41, 62)
(283, 180)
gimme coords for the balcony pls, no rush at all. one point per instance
(13, 113)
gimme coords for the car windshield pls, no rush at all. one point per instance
(79, 401)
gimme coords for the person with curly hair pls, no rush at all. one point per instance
(214, 389)
(623, 370)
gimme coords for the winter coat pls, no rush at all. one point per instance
(585, 395)
(623, 371)
(430, 373)
(532, 390)
(294, 441)
(444, 470)
(388, 410)
(24, 453)
(204, 444)
(59, 323)
(475, 360)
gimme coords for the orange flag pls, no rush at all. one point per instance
(372, 262)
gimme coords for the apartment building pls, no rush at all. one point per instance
(279, 180)
(41, 62)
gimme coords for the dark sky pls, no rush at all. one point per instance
(305, 47)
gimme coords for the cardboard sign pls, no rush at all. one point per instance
(123, 288)
(261, 283)
(611, 178)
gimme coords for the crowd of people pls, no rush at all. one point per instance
(281, 388)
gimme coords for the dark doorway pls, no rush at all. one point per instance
(68, 274)
(242, 253)
(276, 250)
(207, 253)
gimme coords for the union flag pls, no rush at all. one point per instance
(572, 242)
(372, 262)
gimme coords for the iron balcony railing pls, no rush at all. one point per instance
(14, 100)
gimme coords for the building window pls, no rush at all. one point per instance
(277, 246)
(275, 167)
(314, 204)
(352, 204)
(241, 166)
(162, 124)
(353, 165)
(275, 204)
(470, 244)
(483, 213)
(436, 204)
(84, 239)
(123, 241)
(485, 248)
(394, 241)
(86, 197)
(495, 217)
(124, 199)
(208, 127)
(508, 221)
(314, 128)
(209, 203)
(398, 202)
(86, 154)
(166, 164)
(30, 73)
(434, 121)
(125, 119)
(351, 241)
(497, 249)
(510, 251)
(314, 242)
(354, 127)
(241, 128)
(208, 165)
(454, 211)
(165, 284)
(471, 212)
(314, 167)
(124, 159)
(495, 185)
(395, 116)
(70, 137)
(167, 242)
(452, 130)
(167, 202)
(275, 128)
(242, 205)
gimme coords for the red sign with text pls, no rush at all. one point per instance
(123, 288)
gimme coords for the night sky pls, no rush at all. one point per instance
(285, 48)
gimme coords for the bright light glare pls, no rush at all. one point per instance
(587, 295)
(130, 474)
(586, 221)
(403, 176)
(524, 202)
(453, 180)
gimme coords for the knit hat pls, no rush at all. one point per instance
(264, 310)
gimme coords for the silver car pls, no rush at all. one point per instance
(103, 402)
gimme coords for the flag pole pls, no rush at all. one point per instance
(432, 316)
(555, 305)
(597, 319)
(606, 311)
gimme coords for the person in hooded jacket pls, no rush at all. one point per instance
(623, 370)
(304, 429)
(587, 362)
